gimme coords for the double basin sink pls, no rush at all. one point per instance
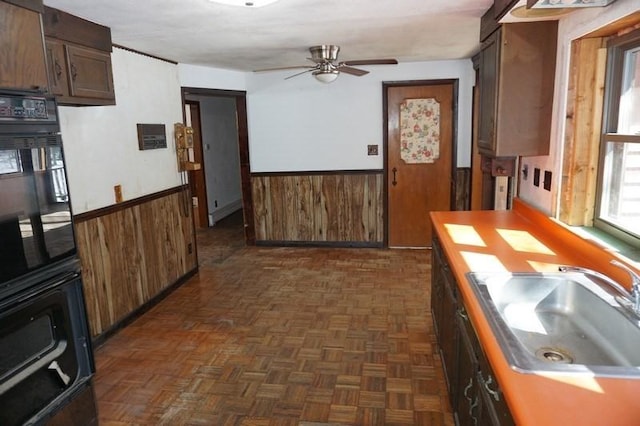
(563, 322)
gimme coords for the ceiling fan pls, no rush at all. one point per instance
(327, 69)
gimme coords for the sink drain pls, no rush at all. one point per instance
(553, 355)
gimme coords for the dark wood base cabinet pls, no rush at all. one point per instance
(476, 398)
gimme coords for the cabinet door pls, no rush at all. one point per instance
(468, 401)
(444, 312)
(436, 291)
(90, 73)
(489, 69)
(23, 64)
(56, 66)
(494, 410)
(449, 332)
(527, 57)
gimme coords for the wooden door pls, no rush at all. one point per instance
(197, 182)
(415, 189)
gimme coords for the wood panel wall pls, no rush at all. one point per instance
(345, 208)
(583, 126)
(132, 252)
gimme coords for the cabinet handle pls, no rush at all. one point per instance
(468, 388)
(473, 405)
(473, 402)
(492, 392)
(74, 72)
(463, 314)
(58, 69)
(395, 182)
(491, 130)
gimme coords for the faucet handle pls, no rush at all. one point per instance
(635, 284)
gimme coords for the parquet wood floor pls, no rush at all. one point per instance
(281, 336)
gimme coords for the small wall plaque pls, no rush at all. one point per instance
(151, 136)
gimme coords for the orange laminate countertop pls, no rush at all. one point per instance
(523, 240)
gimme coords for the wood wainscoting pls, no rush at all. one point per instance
(341, 208)
(463, 188)
(131, 252)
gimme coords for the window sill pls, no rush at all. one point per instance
(607, 241)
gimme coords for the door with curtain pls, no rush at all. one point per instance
(419, 158)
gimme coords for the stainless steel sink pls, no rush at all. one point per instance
(560, 322)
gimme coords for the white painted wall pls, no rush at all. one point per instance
(211, 78)
(101, 143)
(571, 27)
(303, 125)
(221, 156)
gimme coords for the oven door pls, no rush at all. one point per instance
(45, 353)
(35, 215)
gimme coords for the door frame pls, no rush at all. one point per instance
(386, 85)
(240, 97)
(201, 194)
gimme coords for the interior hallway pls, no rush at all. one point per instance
(281, 336)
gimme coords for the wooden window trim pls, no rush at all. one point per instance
(585, 97)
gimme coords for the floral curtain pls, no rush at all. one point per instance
(419, 130)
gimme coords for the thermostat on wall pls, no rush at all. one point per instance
(151, 136)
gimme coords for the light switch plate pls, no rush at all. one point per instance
(117, 192)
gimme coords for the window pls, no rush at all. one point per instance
(10, 161)
(618, 201)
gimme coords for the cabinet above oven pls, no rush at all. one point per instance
(23, 64)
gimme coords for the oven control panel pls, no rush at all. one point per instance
(23, 107)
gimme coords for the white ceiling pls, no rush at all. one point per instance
(200, 32)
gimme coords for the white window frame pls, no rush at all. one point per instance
(616, 49)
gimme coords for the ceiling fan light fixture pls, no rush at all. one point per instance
(326, 76)
(245, 3)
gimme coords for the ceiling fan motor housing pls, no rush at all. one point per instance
(325, 52)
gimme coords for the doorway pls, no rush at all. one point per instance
(420, 156)
(222, 187)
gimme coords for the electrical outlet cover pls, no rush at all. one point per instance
(546, 183)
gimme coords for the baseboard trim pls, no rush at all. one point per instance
(224, 211)
(330, 244)
(101, 338)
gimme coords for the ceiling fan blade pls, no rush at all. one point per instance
(353, 71)
(283, 68)
(300, 73)
(372, 62)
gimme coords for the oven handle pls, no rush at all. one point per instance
(52, 283)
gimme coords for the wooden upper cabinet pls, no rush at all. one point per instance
(23, 64)
(78, 59)
(517, 73)
(56, 67)
(501, 7)
(90, 73)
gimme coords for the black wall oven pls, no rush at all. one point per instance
(46, 360)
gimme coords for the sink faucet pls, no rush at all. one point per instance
(635, 284)
(633, 297)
